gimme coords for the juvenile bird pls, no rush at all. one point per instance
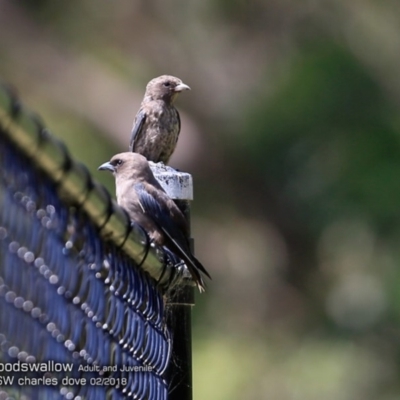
(157, 124)
(146, 202)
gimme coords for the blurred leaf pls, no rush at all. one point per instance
(326, 139)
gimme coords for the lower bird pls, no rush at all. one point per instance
(146, 202)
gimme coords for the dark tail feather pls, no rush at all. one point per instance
(194, 265)
(176, 240)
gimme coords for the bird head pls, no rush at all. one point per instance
(129, 166)
(165, 87)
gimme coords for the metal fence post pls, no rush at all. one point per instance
(179, 186)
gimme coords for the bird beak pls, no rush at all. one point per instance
(181, 86)
(106, 167)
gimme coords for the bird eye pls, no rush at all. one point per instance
(117, 162)
(167, 84)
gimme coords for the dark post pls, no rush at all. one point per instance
(179, 186)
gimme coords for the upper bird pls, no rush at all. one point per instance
(157, 124)
(146, 202)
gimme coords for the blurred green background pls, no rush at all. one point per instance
(292, 134)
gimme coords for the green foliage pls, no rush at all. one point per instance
(327, 140)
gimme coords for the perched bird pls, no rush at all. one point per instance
(146, 202)
(157, 124)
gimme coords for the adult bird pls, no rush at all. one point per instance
(157, 124)
(146, 202)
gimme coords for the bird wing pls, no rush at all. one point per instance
(137, 128)
(168, 204)
(179, 120)
(176, 240)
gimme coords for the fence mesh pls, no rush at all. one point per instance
(70, 299)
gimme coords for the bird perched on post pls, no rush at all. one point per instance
(146, 202)
(157, 124)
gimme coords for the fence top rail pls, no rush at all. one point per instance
(76, 186)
